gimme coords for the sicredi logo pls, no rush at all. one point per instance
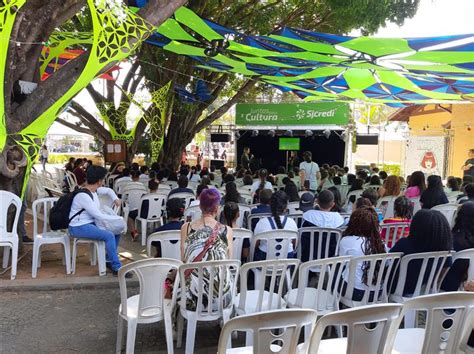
(261, 115)
(311, 114)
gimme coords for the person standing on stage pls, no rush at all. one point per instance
(245, 158)
(293, 161)
(309, 172)
(468, 167)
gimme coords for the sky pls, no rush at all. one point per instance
(433, 18)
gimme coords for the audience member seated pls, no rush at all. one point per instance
(337, 200)
(357, 185)
(85, 211)
(199, 190)
(247, 180)
(429, 232)
(363, 203)
(278, 221)
(391, 187)
(463, 238)
(262, 183)
(174, 212)
(350, 179)
(232, 194)
(281, 173)
(468, 194)
(291, 191)
(182, 186)
(325, 181)
(452, 185)
(124, 176)
(323, 217)
(375, 181)
(194, 175)
(434, 193)
(230, 214)
(416, 185)
(337, 181)
(361, 238)
(306, 202)
(144, 171)
(403, 212)
(79, 172)
(383, 176)
(70, 165)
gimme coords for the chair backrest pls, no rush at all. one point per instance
(272, 331)
(415, 202)
(193, 212)
(277, 243)
(172, 184)
(133, 197)
(71, 180)
(380, 268)
(253, 219)
(156, 203)
(449, 211)
(293, 207)
(151, 274)
(9, 199)
(119, 186)
(170, 242)
(393, 231)
(329, 280)
(187, 197)
(362, 336)
(374, 187)
(44, 204)
(244, 210)
(239, 235)
(344, 190)
(297, 216)
(449, 318)
(323, 240)
(430, 269)
(277, 274)
(386, 205)
(209, 290)
(357, 194)
(165, 188)
(469, 255)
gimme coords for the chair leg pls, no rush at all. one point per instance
(168, 328)
(74, 254)
(14, 260)
(34, 263)
(6, 256)
(67, 255)
(190, 334)
(118, 344)
(93, 252)
(179, 339)
(144, 229)
(131, 333)
(101, 256)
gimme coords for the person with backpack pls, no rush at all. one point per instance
(85, 210)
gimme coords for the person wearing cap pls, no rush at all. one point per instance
(307, 202)
(174, 212)
(309, 172)
(323, 217)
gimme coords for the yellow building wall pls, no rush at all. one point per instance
(462, 139)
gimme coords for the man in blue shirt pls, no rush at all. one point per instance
(182, 186)
(265, 196)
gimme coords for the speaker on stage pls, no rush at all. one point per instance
(220, 138)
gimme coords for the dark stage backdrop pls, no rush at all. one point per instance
(324, 150)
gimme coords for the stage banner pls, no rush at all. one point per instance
(427, 154)
(322, 113)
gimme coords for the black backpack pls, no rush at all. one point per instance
(59, 213)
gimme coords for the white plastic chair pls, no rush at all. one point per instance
(430, 270)
(469, 255)
(254, 218)
(344, 190)
(216, 307)
(380, 267)
(453, 196)
(239, 235)
(9, 237)
(172, 184)
(297, 216)
(46, 236)
(277, 243)
(243, 211)
(449, 320)
(149, 306)
(187, 197)
(156, 205)
(293, 207)
(320, 238)
(192, 213)
(323, 297)
(120, 185)
(132, 197)
(374, 187)
(170, 242)
(273, 331)
(449, 211)
(71, 180)
(387, 205)
(357, 194)
(415, 202)
(97, 254)
(370, 329)
(393, 232)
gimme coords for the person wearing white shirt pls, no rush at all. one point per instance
(85, 210)
(309, 172)
(361, 238)
(278, 221)
(144, 178)
(261, 184)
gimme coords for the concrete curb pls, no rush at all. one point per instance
(76, 283)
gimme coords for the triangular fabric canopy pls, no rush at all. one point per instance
(319, 66)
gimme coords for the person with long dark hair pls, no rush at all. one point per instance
(292, 191)
(361, 238)
(434, 193)
(416, 185)
(429, 232)
(337, 200)
(278, 221)
(231, 214)
(261, 184)
(403, 212)
(463, 238)
(232, 194)
(357, 185)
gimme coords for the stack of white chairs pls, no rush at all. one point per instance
(9, 236)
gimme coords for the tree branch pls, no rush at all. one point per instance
(81, 113)
(76, 126)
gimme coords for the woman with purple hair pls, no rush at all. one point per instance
(203, 240)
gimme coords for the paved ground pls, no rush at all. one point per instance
(78, 321)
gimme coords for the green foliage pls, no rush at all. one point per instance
(58, 158)
(391, 169)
